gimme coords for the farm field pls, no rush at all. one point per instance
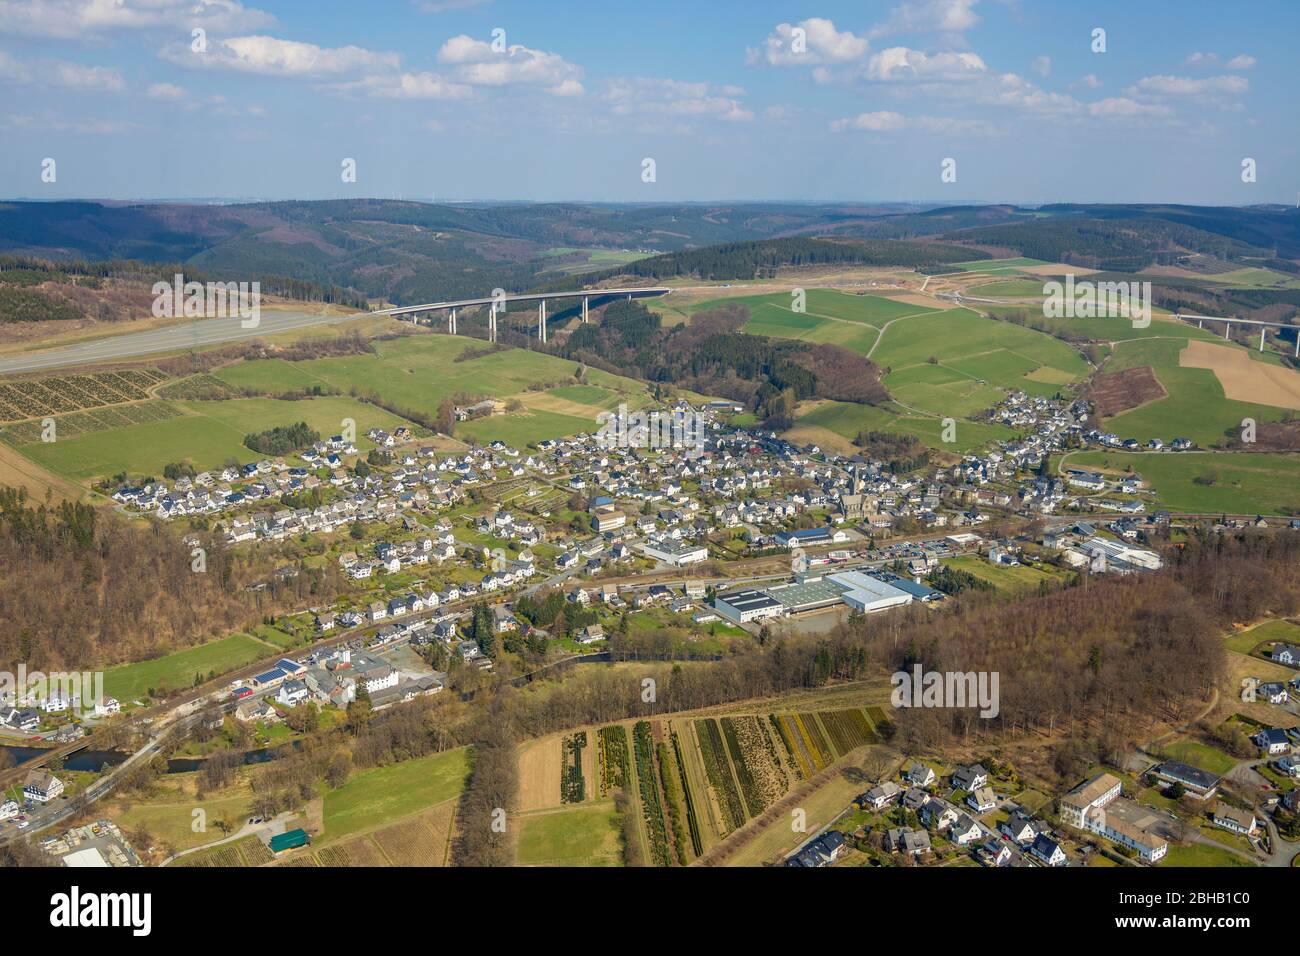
(1242, 377)
(207, 434)
(587, 835)
(999, 266)
(848, 420)
(1229, 482)
(384, 794)
(520, 430)
(178, 670)
(418, 371)
(1196, 406)
(996, 352)
(248, 851)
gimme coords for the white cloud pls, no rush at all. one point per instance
(81, 19)
(1168, 85)
(12, 71)
(75, 76)
(1042, 65)
(49, 122)
(1242, 61)
(1117, 106)
(887, 121)
(822, 43)
(902, 63)
(165, 91)
(406, 86)
(1199, 59)
(949, 17)
(675, 99)
(1089, 80)
(270, 56)
(474, 62)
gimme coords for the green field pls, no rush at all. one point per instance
(1246, 641)
(583, 836)
(994, 352)
(848, 420)
(1196, 406)
(268, 375)
(586, 395)
(207, 435)
(1242, 483)
(1012, 288)
(521, 428)
(376, 796)
(999, 266)
(1201, 755)
(1016, 579)
(1201, 854)
(836, 318)
(177, 671)
(418, 371)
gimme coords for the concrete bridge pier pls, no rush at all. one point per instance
(451, 322)
(492, 323)
(541, 320)
(584, 310)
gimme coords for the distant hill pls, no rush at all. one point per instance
(762, 259)
(405, 252)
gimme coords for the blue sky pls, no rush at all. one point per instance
(732, 99)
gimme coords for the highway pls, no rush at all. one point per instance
(200, 333)
(204, 333)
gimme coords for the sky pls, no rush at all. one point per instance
(1031, 101)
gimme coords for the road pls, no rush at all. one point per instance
(200, 333)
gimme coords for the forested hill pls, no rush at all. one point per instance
(762, 259)
(1120, 245)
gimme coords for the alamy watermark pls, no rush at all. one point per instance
(1098, 300)
(76, 692)
(208, 300)
(947, 689)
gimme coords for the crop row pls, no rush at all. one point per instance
(761, 779)
(672, 784)
(573, 788)
(612, 747)
(651, 809)
(56, 394)
(794, 758)
(718, 771)
(97, 420)
(692, 819)
(847, 728)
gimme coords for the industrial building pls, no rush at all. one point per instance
(865, 593)
(741, 607)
